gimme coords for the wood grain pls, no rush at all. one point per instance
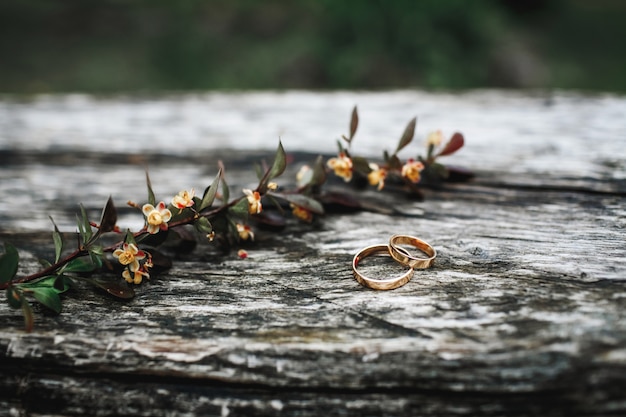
(522, 313)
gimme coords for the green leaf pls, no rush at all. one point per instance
(44, 263)
(225, 191)
(47, 281)
(29, 318)
(96, 253)
(8, 263)
(151, 197)
(81, 228)
(62, 283)
(394, 163)
(203, 225)
(440, 170)
(58, 241)
(114, 288)
(361, 165)
(319, 172)
(455, 143)
(80, 265)
(259, 172)
(407, 136)
(130, 238)
(108, 220)
(303, 201)
(48, 297)
(280, 163)
(96, 250)
(354, 123)
(278, 167)
(210, 192)
(431, 149)
(275, 202)
(14, 297)
(340, 147)
(84, 227)
(240, 209)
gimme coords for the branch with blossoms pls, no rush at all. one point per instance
(409, 173)
(214, 215)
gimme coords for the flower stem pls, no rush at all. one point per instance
(48, 270)
(84, 252)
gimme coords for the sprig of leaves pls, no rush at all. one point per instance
(219, 221)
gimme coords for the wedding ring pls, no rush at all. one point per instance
(401, 255)
(378, 284)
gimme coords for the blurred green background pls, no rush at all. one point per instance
(117, 45)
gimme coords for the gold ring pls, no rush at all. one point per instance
(378, 284)
(401, 255)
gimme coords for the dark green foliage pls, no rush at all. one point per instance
(8, 263)
(239, 44)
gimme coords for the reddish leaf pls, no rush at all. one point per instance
(408, 134)
(109, 217)
(303, 201)
(114, 288)
(14, 297)
(183, 240)
(270, 220)
(29, 318)
(335, 202)
(160, 261)
(454, 144)
(459, 174)
(354, 122)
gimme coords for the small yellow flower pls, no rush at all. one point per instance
(157, 218)
(135, 277)
(129, 255)
(183, 199)
(377, 176)
(434, 138)
(245, 232)
(254, 201)
(272, 186)
(412, 170)
(211, 236)
(302, 213)
(342, 165)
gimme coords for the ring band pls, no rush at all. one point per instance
(378, 284)
(401, 255)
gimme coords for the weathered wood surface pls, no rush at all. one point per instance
(522, 314)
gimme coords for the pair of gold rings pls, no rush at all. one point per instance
(400, 255)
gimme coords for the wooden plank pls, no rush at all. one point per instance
(522, 314)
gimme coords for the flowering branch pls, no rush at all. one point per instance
(136, 254)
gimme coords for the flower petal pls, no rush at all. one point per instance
(166, 215)
(147, 209)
